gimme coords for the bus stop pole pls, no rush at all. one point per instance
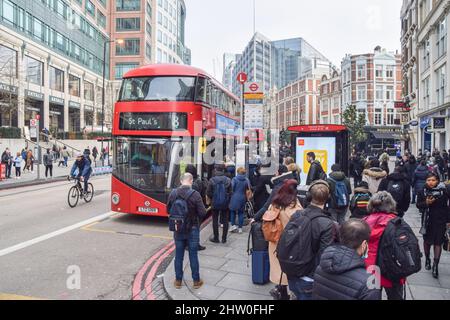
(242, 114)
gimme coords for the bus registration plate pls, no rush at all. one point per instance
(147, 210)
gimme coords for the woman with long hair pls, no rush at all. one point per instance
(433, 201)
(285, 203)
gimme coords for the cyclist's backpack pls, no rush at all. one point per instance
(340, 193)
(295, 250)
(178, 213)
(399, 253)
(395, 188)
(219, 200)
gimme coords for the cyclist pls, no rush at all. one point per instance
(83, 165)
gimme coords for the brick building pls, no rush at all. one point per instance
(330, 99)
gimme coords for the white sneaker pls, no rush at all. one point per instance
(240, 230)
(221, 225)
(233, 229)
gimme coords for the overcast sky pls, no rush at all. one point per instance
(334, 27)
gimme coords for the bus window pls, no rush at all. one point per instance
(158, 89)
(201, 90)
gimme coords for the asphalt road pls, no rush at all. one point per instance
(50, 251)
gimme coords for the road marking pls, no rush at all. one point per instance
(91, 229)
(7, 296)
(59, 232)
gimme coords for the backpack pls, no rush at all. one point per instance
(395, 188)
(219, 200)
(340, 193)
(399, 253)
(256, 236)
(295, 250)
(359, 204)
(178, 213)
(272, 226)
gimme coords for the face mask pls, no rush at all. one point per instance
(366, 253)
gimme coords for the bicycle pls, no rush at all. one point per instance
(76, 193)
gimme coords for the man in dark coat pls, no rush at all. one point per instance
(398, 185)
(337, 176)
(356, 168)
(222, 213)
(342, 274)
(316, 171)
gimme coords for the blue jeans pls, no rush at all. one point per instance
(65, 161)
(190, 240)
(301, 288)
(240, 214)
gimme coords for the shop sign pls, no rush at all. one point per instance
(34, 95)
(75, 105)
(8, 88)
(56, 100)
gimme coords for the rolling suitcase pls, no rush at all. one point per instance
(260, 267)
(260, 255)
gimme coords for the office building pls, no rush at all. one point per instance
(51, 58)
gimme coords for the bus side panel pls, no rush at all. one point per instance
(134, 202)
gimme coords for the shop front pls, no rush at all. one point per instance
(56, 114)
(8, 106)
(380, 139)
(74, 117)
(34, 105)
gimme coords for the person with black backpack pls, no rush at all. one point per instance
(219, 193)
(397, 184)
(308, 233)
(186, 210)
(394, 252)
(340, 191)
(360, 201)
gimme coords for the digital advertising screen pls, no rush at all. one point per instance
(323, 147)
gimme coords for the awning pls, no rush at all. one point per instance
(386, 135)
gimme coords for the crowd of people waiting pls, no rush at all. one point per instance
(327, 245)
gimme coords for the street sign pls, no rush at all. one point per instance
(254, 87)
(33, 123)
(242, 78)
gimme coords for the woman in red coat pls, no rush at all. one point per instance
(382, 209)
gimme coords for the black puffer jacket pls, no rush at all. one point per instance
(342, 276)
(315, 172)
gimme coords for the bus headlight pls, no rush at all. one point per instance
(115, 199)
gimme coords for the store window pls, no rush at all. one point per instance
(56, 79)
(88, 91)
(74, 85)
(34, 71)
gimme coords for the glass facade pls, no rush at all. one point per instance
(128, 24)
(130, 47)
(88, 91)
(128, 5)
(122, 68)
(34, 71)
(8, 62)
(56, 79)
(15, 17)
(74, 85)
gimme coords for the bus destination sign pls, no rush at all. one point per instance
(167, 121)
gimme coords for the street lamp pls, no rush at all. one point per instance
(120, 42)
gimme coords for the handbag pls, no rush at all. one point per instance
(423, 228)
(272, 227)
(249, 192)
(446, 246)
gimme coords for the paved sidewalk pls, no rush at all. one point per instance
(29, 178)
(226, 271)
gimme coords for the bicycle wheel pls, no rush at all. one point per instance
(72, 197)
(90, 193)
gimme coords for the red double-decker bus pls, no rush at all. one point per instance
(160, 107)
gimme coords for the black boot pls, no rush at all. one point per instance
(428, 264)
(436, 269)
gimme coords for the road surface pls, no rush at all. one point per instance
(49, 251)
